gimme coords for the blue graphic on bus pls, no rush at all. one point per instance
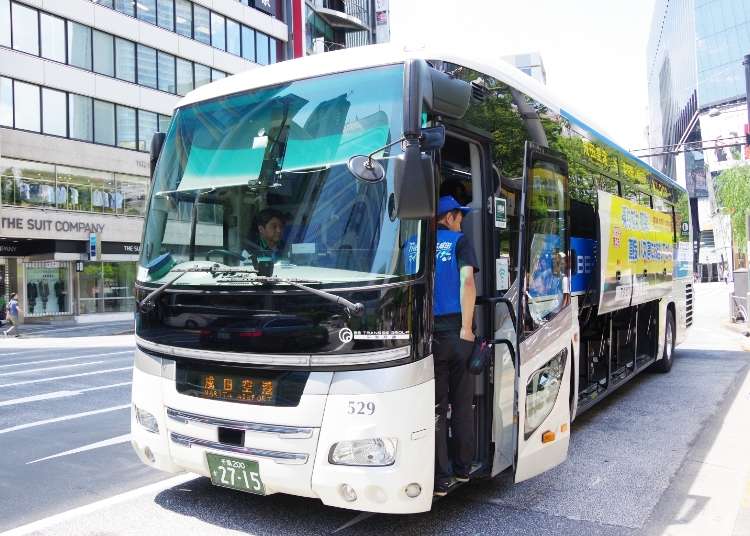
(584, 264)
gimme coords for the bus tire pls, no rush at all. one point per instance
(664, 365)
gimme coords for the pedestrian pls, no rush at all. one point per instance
(12, 315)
(452, 344)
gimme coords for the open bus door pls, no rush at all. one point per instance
(545, 321)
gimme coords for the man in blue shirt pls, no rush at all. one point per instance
(452, 344)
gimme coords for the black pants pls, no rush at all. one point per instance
(455, 385)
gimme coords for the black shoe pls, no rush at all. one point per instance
(442, 486)
(462, 478)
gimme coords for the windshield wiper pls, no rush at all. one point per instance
(355, 309)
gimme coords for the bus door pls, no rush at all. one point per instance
(545, 323)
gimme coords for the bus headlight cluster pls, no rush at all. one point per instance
(376, 452)
(541, 391)
(146, 419)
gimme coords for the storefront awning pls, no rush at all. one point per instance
(340, 20)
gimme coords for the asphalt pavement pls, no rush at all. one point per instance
(665, 454)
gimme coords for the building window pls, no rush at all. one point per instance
(25, 29)
(125, 60)
(79, 45)
(202, 75)
(6, 102)
(126, 127)
(165, 14)
(26, 106)
(125, 6)
(147, 10)
(147, 126)
(146, 66)
(201, 24)
(80, 117)
(184, 16)
(53, 38)
(164, 121)
(261, 48)
(234, 45)
(166, 72)
(218, 31)
(104, 53)
(48, 289)
(106, 287)
(105, 3)
(104, 122)
(248, 43)
(217, 75)
(133, 189)
(272, 50)
(184, 76)
(5, 23)
(55, 116)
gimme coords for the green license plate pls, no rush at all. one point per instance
(235, 473)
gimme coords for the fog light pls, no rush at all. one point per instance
(149, 455)
(348, 493)
(413, 490)
(146, 419)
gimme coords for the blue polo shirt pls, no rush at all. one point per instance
(454, 251)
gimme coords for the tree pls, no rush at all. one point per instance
(733, 193)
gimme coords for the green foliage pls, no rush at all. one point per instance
(733, 193)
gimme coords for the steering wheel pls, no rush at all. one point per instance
(225, 253)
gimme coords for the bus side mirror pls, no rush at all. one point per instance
(414, 183)
(157, 142)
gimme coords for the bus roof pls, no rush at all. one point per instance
(457, 52)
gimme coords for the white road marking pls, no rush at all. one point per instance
(74, 328)
(62, 359)
(58, 394)
(92, 446)
(40, 380)
(73, 365)
(99, 505)
(61, 419)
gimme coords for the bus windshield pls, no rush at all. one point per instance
(260, 177)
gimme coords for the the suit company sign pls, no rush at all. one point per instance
(50, 225)
(53, 225)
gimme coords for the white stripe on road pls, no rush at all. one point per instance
(58, 394)
(35, 331)
(40, 380)
(99, 505)
(92, 446)
(63, 358)
(86, 364)
(63, 418)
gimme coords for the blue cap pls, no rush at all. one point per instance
(447, 203)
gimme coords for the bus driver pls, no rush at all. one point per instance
(455, 296)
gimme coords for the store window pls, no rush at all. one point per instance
(48, 287)
(106, 287)
(27, 183)
(133, 190)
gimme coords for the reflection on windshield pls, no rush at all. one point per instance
(260, 179)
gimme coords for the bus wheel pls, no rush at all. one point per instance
(667, 358)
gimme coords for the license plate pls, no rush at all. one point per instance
(235, 473)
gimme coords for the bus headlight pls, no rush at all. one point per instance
(377, 452)
(541, 392)
(146, 419)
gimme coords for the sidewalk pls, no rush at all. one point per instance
(73, 329)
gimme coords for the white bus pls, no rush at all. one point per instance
(303, 365)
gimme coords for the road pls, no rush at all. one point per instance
(650, 459)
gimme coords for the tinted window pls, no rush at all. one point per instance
(146, 66)
(147, 126)
(79, 45)
(25, 29)
(147, 10)
(6, 102)
(184, 16)
(218, 31)
(125, 60)
(125, 6)
(201, 24)
(54, 119)
(26, 105)
(53, 37)
(248, 43)
(125, 127)
(261, 48)
(165, 14)
(272, 49)
(166, 72)
(184, 76)
(202, 75)
(5, 23)
(104, 53)
(80, 117)
(104, 122)
(233, 38)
